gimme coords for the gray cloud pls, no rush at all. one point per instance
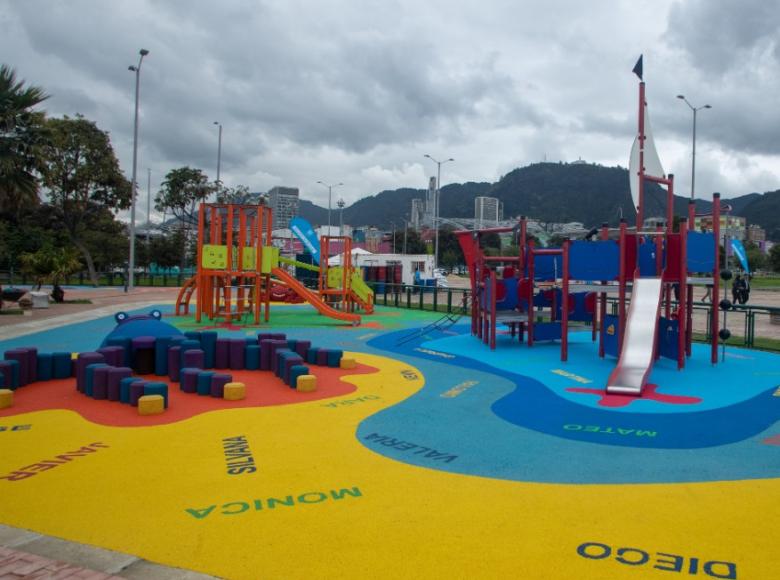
(336, 90)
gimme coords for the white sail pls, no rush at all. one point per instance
(653, 165)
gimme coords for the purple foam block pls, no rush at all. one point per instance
(218, 383)
(21, 356)
(322, 357)
(194, 359)
(114, 355)
(279, 336)
(174, 357)
(115, 375)
(143, 354)
(136, 391)
(189, 380)
(275, 346)
(32, 363)
(265, 353)
(289, 363)
(100, 383)
(302, 346)
(221, 355)
(85, 359)
(237, 346)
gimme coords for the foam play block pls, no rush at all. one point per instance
(186, 346)
(20, 356)
(334, 358)
(62, 365)
(279, 336)
(265, 353)
(114, 355)
(311, 355)
(306, 383)
(89, 378)
(45, 366)
(322, 357)
(302, 347)
(295, 372)
(157, 388)
(208, 343)
(236, 356)
(218, 382)
(100, 382)
(174, 358)
(289, 363)
(292, 344)
(126, 343)
(82, 362)
(32, 364)
(278, 364)
(124, 389)
(221, 353)
(151, 405)
(161, 346)
(115, 376)
(6, 398)
(189, 380)
(276, 346)
(136, 391)
(234, 391)
(252, 357)
(193, 335)
(194, 359)
(264, 336)
(347, 363)
(204, 382)
(10, 371)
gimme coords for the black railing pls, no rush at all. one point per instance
(104, 279)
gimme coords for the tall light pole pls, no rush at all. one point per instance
(693, 156)
(330, 196)
(436, 206)
(219, 152)
(131, 266)
(148, 205)
(340, 204)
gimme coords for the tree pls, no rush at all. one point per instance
(756, 258)
(774, 258)
(239, 195)
(21, 134)
(82, 175)
(50, 264)
(449, 244)
(181, 192)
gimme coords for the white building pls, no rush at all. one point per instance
(487, 212)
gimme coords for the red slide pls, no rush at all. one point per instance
(313, 298)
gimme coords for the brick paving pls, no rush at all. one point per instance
(15, 565)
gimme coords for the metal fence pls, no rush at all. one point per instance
(104, 279)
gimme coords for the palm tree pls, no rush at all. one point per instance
(21, 131)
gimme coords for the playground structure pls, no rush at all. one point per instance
(238, 269)
(658, 268)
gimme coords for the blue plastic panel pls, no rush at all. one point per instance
(701, 252)
(598, 260)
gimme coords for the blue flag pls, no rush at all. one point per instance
(304, 232)
(739, 250)
(637, 70)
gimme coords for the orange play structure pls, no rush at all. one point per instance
(237, 267)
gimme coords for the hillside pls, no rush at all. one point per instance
(555, 192)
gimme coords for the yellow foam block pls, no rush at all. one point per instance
(234, 391)
(348, 363)
(151, 405)
(306, 383)
(6, 398)
(74, 356)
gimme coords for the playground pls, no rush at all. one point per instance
(563, 424)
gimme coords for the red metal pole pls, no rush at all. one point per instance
(622, 286)
(682, 306)
(670, 204)
(565, 303)
(530, 255)
(602, 307)
(492, 309)
(715, 327)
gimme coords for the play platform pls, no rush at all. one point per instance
(435, 457)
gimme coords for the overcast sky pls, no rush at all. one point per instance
(357, 91)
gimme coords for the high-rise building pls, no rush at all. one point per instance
(487, 212)
(430, 203)
(417, 217)
(284, 204)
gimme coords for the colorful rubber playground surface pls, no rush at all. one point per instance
(434, 458)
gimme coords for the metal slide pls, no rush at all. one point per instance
(314, 299)
(636, 359)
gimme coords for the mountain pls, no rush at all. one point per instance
(550, 192)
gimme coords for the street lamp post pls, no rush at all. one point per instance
(148, 205)
(406, 228)
(436, 207)
(330, 196)
(131, 266)
(693, 156)
(340, 204)
(393, 238)
(219, 152)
